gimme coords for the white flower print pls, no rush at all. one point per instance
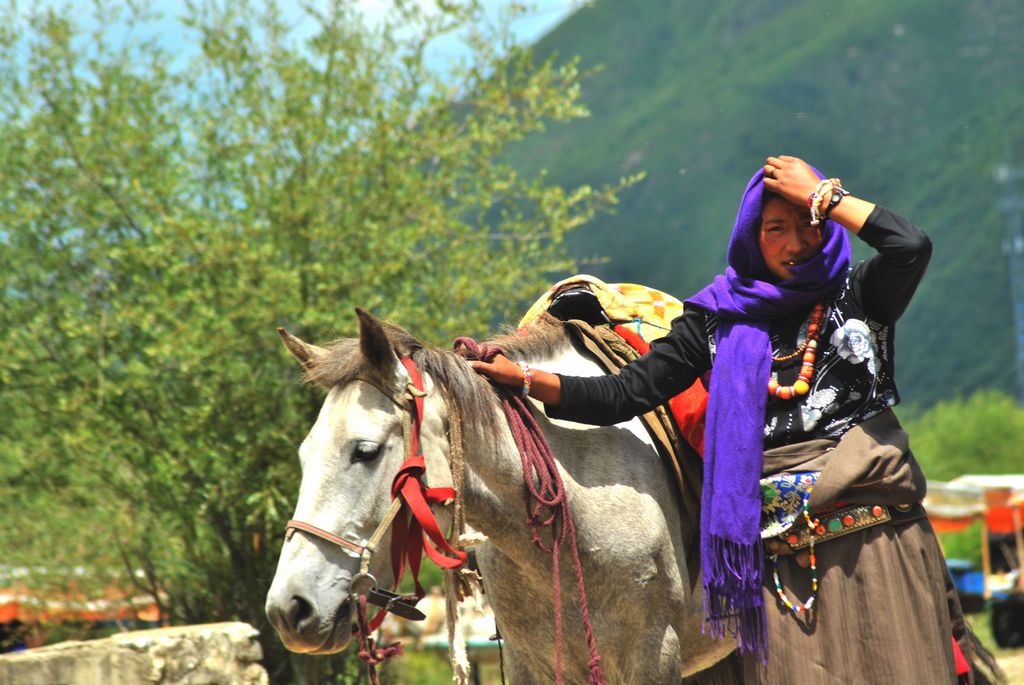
(855, 343)
(822, 398)
(816, 404)
(809, 416)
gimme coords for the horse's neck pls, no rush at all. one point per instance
(629, 538)
(494, 488)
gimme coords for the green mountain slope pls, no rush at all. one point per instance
(911, 103)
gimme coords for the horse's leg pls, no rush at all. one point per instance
(728, 671)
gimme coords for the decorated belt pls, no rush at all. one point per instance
(838, 522)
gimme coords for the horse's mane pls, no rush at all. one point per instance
(469, 393)
(544, 338)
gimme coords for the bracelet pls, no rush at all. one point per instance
(812, 202)
(824, 186)
(524, 392)
(823, 194)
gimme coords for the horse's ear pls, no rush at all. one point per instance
(373, 342)
(303, 351)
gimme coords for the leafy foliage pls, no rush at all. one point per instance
(162, 213)
(980, 434)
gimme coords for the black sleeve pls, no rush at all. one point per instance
(673, 363)
(886, 282)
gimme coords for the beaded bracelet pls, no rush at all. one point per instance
(825, 185)
(825, 194)
(527, 379)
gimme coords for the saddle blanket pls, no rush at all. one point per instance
(639, 315)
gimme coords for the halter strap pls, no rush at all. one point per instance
(295, 524)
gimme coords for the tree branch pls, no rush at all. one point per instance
(80, 164)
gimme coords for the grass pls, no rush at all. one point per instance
(1010, 660)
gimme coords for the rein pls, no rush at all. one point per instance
(548, 506)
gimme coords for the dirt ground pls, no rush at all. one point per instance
(1012, 662)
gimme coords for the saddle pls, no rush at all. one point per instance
(614, 324)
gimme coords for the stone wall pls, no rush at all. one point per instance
(210, 654)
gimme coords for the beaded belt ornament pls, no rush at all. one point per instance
(837, 523)
(784, 497)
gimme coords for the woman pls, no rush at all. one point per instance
(799, 350)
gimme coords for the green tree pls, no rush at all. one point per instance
(162, 213)
(980, 434)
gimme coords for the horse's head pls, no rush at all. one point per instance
(349, 459)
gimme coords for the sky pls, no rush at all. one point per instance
(537, 18)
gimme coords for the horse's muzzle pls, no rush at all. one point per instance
(305, 628)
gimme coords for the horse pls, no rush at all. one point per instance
(646, 611)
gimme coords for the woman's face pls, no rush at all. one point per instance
(787, 237)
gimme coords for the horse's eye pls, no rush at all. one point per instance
(365, 450)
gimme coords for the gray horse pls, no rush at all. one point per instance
(646, 615)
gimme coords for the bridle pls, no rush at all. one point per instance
(414, 532)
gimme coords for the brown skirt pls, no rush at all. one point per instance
(882, 613)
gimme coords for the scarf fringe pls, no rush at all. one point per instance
(733, 600)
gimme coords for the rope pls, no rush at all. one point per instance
(547, 507)
(369, 652)
(457, 468)
(458, 657)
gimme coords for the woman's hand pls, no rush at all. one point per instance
(790, 177)
(546, 387)
(794, 179)
(501, 370)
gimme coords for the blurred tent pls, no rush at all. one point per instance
(22, 604)
(997, 501)
(954, 505)
(1004, 501)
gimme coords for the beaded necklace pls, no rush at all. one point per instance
(805, 605)
(809, 350)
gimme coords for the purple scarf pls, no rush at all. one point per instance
(746, 303)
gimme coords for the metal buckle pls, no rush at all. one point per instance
(362, 585)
